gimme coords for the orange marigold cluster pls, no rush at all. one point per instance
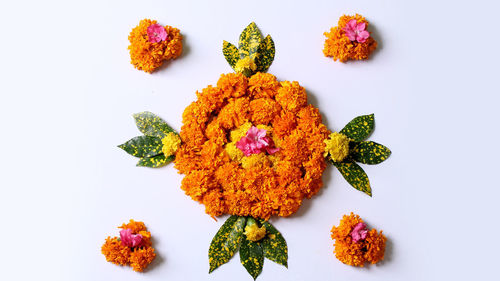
(148, 56)
(338, 45)
(371, 249)
(218, 175)
(138, 257)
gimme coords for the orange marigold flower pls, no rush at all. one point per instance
(340, 47)
(263, 85)
(234, 113)
(291, 96)
(370, 249)
(115, 252)
(141, 258)
(138, 257)
(220, 176)
(233, 84)
(264, 110)
(148, 56)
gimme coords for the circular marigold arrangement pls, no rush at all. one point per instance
(356, 245)
(349, 40)
(230, 174)
(252, 147)
(151, 44)
(133, 247)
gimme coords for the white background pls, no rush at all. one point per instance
(68, 92)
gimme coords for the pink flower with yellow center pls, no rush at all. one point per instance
(255, 142)
(359, 232)
(356, 31)
(157, 33)
(130, 240)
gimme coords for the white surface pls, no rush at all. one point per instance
(68, 92)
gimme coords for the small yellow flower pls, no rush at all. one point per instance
(171, 142)
(337, 145)
(255, 233)
(246, 66)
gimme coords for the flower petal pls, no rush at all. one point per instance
(351, 35)
(361, 26)
(352, 24)
(362, 36)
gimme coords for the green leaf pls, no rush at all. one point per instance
(155, 161)
(226, 242)
(369, 152)
(151, 125)
(154, 152)
(266, 54)
(252, 257)
(359, 128)
(274, 245)
(250, 39)
(140, 146)
(355, 176)
(230, 53)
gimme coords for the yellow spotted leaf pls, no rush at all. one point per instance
(369, 152)
(359, 128)
(274, 245)
(142, 146)
(226, 242)
(251, 257)
(151, 125)
(155, 161)
(265, 54)
(354, 175)
(250, 39)
(230, 53)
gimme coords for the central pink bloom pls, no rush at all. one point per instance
(130, 240)
(256, 142)
(356, 31)
(359, 232)
(157, 33)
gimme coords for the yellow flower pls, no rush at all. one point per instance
(245, 65)
(171, 142)
(255, 233)
(337, 145)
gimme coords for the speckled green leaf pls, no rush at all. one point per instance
(266, 54)
(154, 152)
(274, 245)
(140, 146)
(355, 176)
(250, 40)
(369, 152)
(151, 125)
(359, 128)
(230, 53)
(155, 161)
(251, 257)
(226, 242)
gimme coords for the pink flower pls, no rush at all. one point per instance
(157, 33)
(130, 240)
(356, 31)
(256, 142)
(359, 232)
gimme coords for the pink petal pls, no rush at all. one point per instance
(359, 232)
(362, 36)
(136, 240)
(128, 239)
(351, 35)
(352, 24)
(361, 26)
